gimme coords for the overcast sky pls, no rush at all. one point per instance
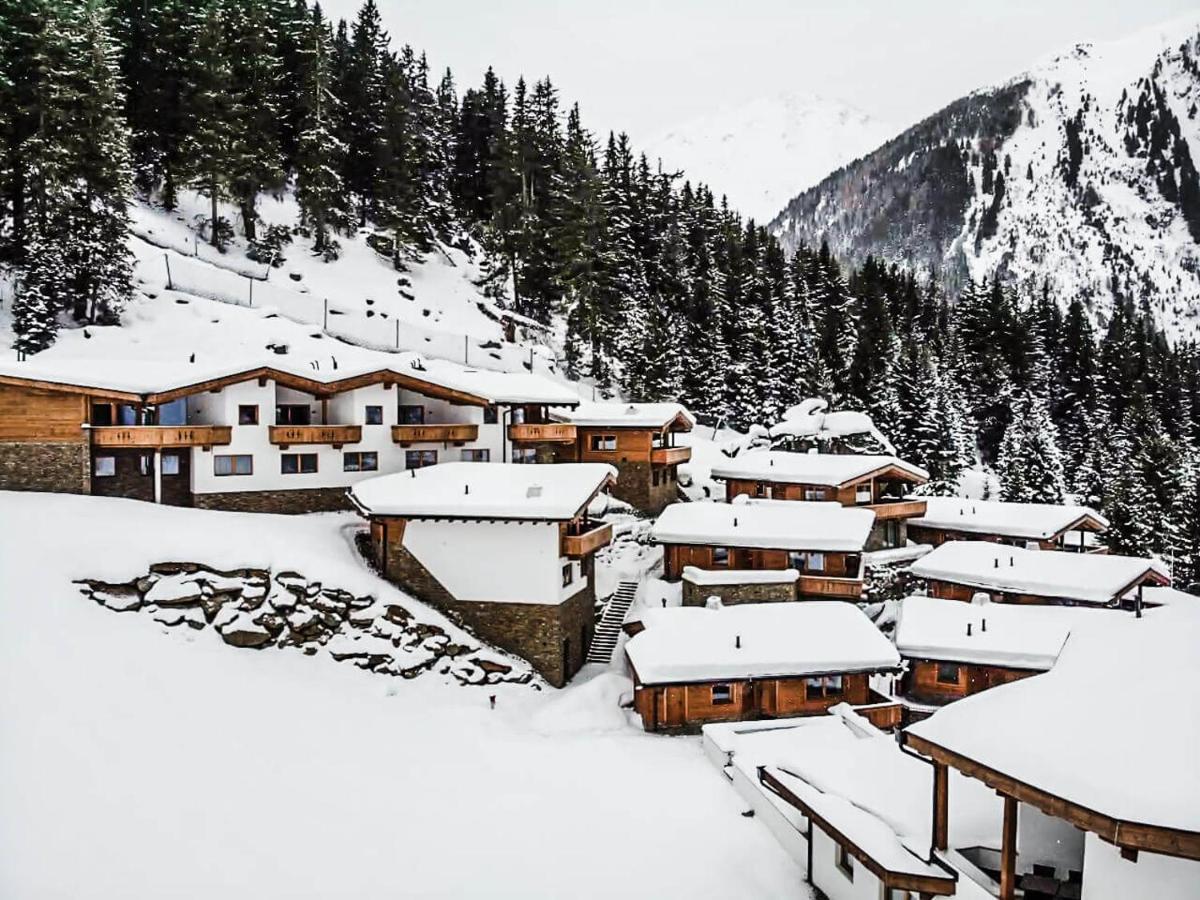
(645, 65)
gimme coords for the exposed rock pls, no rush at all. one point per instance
(175, 590)
(119, 597)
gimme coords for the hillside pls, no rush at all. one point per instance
(761, 153)
(1081, 173)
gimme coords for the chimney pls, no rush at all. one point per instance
(996, 563)
(1011, 561)
(737, 642)
(735, 521)
(968, 629)
(466, 489)
(983, 624)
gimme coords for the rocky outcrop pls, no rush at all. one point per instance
(256, 609)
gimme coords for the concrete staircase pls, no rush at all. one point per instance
(608, 631)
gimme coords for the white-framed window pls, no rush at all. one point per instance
(104, 466)
(233, 464)
(297, 463)
(170, 463)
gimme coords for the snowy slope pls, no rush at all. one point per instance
(761, 154)
(141, 762)
(1098, 147)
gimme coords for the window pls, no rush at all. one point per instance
(418, 459)
(820, 687)
(862, 493)
(242, 464)
(173, 413)
(146, 464)
(170, 463)
(524, 454)
(947, 673)
(484, 455)
(374, 415)
(658, 440)
(104, 466)
(411, 415)
(814, 562)
(102, 414)
(845, 862)
(720, 557)
(297, 463)
(517, 416)
(760, 489)
(248, 414)
(491, 415)
(814, 493)
(127, 415)
(722, 694)
(654, 477)
(293, 414)
(360, 462)
(568, 574)
(603, 442)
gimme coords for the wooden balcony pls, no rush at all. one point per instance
(835, 588)
(669, 456)
(897, 509)
(286, 435)
(441, 434)
(882, 712)
(590, 538)
(555, 432)
(151, 436)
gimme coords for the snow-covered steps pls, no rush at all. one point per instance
(608, 632)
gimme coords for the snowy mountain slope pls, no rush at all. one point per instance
(164, 763)
(1081, 173)
(762, 153)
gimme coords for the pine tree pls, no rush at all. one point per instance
(1030, 463)
(39, 294)
(319, 188)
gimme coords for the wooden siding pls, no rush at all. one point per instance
(670, 456)
(151, 436)
(819, 586)
(898, 509)
(676, 556)
(536, 432)
(44, 416)
(593, 536)
(286, 435)
(921, 683)
(632, 444)
(415, 434)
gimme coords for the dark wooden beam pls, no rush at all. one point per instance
(1008, 851)
(941, 806)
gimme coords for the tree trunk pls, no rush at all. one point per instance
(249, 218)
(212, 193)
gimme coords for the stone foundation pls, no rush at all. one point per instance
(60, 467)
(303, 500)
(878, 538)
(128, 482)
(635, 485)
(554, 639)
(733, 594)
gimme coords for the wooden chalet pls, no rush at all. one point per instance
(692, 665)
(259, 436)
(881, 484)
(960, 570)
(822, 543)
(1096, 773)
(1042, 525)
(507, 549)
(639, 439)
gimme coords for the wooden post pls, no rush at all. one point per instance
(326, 326)
(167, 260)
(1008, 851)
(397, 334)
(251, 280)
(941, 806)
(1138, 603)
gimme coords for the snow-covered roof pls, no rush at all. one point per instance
(772, 525)
(1092, 730)
(626, 415)
(1001, 634)
(1083, 577)
(757, 640)
(460, 490)
(1031, 521)
(134, 376)
(833, 469)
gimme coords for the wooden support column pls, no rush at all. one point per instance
(1008, 851)
(941, 806)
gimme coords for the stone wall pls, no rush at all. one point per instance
(128, 481)
(635, 485)
(302, 500)
(555, 639)
(877, 539)
(733, 594)
(60, 467)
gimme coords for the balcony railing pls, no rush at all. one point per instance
(897, 509)
(545, 431)
(882, 712)
(160, 435)
(418, 434)
(669, 456)
(286, 435)
(824, 586)
(582, 540)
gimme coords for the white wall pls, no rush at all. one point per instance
(1106, 876)
(1048, 841)
(512, 562)
(833, 881)
(348, 408)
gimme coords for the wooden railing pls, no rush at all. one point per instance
(823, 586)
(576, 546)
(545, 431)
(417, 434)
(286, 435)
(160, 435)
(668, 456)
(882, 712)
(897, 509)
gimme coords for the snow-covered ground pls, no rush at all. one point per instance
(139, 761)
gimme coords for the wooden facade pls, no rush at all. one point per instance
(840, 578)
(943, 681)
(30, 414)
(686, 707)
(953, 590)
(935, 537)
